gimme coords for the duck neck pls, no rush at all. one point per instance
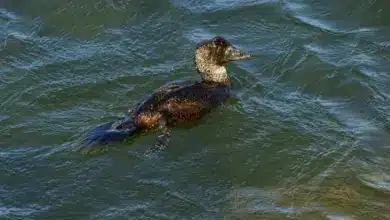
(212, 73)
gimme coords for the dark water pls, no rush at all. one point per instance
(307, 138)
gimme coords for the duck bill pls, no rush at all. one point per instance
(233, 54)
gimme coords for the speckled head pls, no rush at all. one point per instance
(213, 55)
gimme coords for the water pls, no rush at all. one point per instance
(307, 138)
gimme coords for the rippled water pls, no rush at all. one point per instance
(308, 138)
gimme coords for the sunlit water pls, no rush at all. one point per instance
(308, 136)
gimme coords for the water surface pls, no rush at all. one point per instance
(307, 138)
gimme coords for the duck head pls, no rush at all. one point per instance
(212, 56)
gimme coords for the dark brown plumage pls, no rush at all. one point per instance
(178, 104)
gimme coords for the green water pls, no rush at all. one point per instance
(308, 136)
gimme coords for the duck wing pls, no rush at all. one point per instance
(177, 104)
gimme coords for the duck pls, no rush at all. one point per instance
(177, 104)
